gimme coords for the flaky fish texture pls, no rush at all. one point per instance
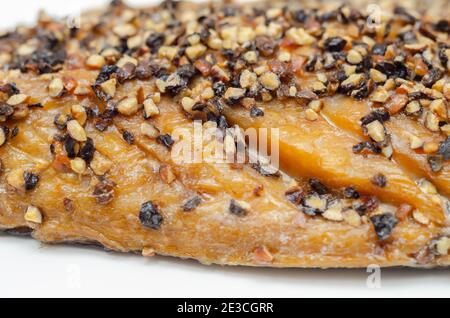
(91, 115)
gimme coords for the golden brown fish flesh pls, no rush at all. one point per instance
(93, 118)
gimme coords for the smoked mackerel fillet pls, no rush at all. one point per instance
(91, 109)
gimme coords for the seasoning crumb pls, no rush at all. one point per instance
(148, 252)
(33, 215)
(379, 180)
(192, 204)
(239, 208)
(165, 140)
(31, 180)
(384, 224)
(69, 205)
(262, 255)
(128, 137)
(76, 131)
(420, 217)
(150, 216)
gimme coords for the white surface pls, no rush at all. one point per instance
(30, 269)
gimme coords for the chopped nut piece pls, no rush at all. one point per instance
(95, 61)
(125, 30)
(15, 179)
(79, 113)
(396, 103)
(416, 142)
(76, 131)
(432, 122)
(239, 208)
(443, 245)
(354, 57)
(318, 87)
(125, 60)
(334, 212)
(215, 43)
(300, 37)
(2, 137)
(233, 94)
(248, 79)
(148, 252)
(352, 81)
(167, 174)
(188, 104)
(270, 81)
(17, 99)
(375, 130)
(352, 217)
(315, 204)
(150, 108)
(413, 107)
(262, 255)
(439, 107)
(161, 85)
(420, 217)
(245, 34)
(149, 130)
(109, 87)
(129, 106)
(446, 129)
(284, 56)
(33, 215)
(315, 105)
(377, 76)
(78, 165)
(195, 51)
(56, 87)
(311, 115)
(100, 164)
(251, 57)
(380, 95)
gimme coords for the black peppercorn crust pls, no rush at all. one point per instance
(89, 117)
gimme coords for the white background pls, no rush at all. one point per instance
(30, 269)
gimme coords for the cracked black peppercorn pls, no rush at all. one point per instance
(87, 150)
(236, 209)
(335, 44)
(351, 193)
(318, 186)
(70, 145)
(384, 224)
(155, 41)
(165, 140)
(256, 112)
(444, 149)
(128, 137)
(192, 204)
(31, 180)
(150, 216)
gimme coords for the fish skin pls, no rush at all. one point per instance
(326, 153)
(345, 113)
